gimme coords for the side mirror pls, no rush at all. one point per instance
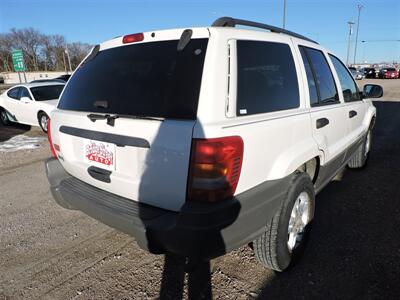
(25, 100)
(372, 91)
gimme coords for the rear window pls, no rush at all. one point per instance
(148, 79)
(44, 93)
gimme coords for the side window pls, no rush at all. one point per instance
(266, 79)
(25, 93)
(14, 93)
(349, 87)
(312, 87)
(326, 87)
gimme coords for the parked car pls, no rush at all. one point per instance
(357, 75)
(369, 72)
(30, 103)
(64, 77)
(198, 141)
(48, 80)
(388, 73)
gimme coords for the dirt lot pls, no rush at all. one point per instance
(48, 252)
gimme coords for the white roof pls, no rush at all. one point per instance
(36, 84)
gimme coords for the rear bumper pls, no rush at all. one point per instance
(198, 230)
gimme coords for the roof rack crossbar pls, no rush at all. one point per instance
(231, 22)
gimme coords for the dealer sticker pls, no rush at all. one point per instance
(100, 154)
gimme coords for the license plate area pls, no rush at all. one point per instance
(99, 154)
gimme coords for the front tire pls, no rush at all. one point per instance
(287, 233)
(360, 157)
(4, 118)
(43, 120)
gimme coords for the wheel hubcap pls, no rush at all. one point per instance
(43, 122)
(299, 218)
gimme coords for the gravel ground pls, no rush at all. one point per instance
(354, 251)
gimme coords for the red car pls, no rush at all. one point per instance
(388, 73)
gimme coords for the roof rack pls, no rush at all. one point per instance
(231, 22)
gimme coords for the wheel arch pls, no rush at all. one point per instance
(292, 159)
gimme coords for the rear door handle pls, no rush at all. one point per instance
(352, 114)
(322, 122)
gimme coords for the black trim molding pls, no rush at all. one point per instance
(119, 140)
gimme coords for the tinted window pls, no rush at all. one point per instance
(14, 93)
(25, 93)
(148, 79)
(323, 76)
(267, 79)
(312, 87)
(44, 93)
(349, 87)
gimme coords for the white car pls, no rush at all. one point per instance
(30, 103)
(198, 141)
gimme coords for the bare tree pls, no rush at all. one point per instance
(29, 40)
(41, 52)
(77, 52)
(5, 52)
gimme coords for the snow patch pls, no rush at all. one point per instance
(21, 142)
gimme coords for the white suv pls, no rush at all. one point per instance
(201, 140)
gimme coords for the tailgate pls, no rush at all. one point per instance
(145, 160)
(125, 118)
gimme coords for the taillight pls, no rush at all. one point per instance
(214, 168)
(52, 148)
(132, 38)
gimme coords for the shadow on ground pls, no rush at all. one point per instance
(354, 250)
(9, 131)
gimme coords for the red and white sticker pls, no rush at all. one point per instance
(100, 154)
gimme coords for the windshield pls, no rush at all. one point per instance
(49, 92)
(148, 79)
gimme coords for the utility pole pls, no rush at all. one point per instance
(359, 7)
(349, 43)
(284, 14)
(65, 65)
(69, 59)
(363, 43)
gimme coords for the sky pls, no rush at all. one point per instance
(322, 20)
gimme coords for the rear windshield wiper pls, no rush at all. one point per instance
(111, 118)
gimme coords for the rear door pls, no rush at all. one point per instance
(328, 114)
(125, 119)
(355, 107)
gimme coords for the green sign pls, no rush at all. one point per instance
(18, 60)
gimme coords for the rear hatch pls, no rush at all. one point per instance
(125, 119)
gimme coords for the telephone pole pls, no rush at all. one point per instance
(349, 43)
(284, 14)
(359, 7)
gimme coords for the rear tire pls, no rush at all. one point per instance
(276, 248)
(4, 118)
(43, 120)
(360, 157)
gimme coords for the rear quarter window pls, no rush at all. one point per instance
(267, 79)
(14, 93)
